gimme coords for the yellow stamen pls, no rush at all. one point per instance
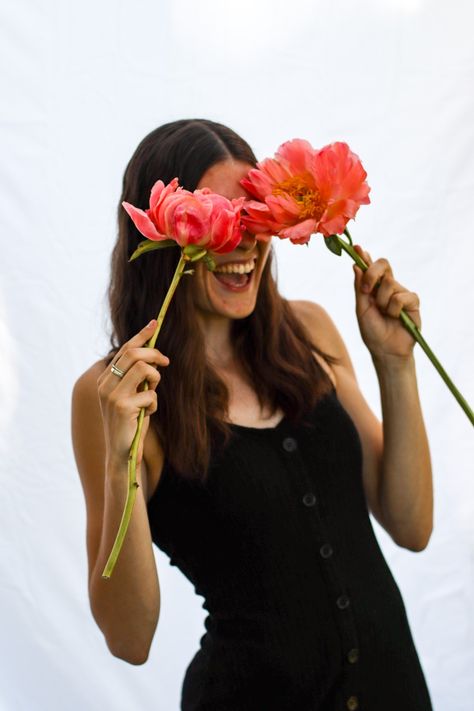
(309, 199)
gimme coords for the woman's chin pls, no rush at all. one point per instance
(230, 296)
(232, 299)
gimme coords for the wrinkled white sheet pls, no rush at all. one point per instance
(81, 84)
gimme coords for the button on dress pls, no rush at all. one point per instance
(303, 611)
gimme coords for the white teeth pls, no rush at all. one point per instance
(236, 268)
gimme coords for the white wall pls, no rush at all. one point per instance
(82, 83)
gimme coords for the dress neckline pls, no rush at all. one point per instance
(280, 422)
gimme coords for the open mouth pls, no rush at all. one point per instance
(235, 277)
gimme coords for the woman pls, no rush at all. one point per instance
(259, 464)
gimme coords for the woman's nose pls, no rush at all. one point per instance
(248, 240)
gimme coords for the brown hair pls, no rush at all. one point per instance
(271, 344)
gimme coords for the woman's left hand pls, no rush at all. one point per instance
(379, 300)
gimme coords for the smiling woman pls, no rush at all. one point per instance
(258, 465)
(240, 272)
(203, 154)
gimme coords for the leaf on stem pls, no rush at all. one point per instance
(149, 245)
(332, 243)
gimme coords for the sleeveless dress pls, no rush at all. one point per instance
(304, 613)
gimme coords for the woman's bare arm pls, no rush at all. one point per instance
(126, 606)
(397, 469)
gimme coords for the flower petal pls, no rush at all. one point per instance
(283, 208)
(159, 192)
(300, 233)
(143, 223)
(298, 153)
(222, 229)
(257, 184)
(256, 227)
(276, 170)
(258, 219)
(191, 223)
(337, 216)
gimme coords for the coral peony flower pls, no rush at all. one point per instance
(201, 218)
(302, 191)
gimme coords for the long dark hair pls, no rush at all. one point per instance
(271, 344)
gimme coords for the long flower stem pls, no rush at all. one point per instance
(132, 457)
(414, 330)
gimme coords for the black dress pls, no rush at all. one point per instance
(304, 614)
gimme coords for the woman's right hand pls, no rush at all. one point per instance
(121, 399)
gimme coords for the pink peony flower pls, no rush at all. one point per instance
(200, 218)
(302, 191)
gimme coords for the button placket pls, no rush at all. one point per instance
(333, 575)
(290, 445)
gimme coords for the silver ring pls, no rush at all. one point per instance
(117, 371)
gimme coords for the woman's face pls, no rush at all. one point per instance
(232, 295)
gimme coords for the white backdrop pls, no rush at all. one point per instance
(82, 83)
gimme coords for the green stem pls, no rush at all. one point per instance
(413, 329)
(132, 457)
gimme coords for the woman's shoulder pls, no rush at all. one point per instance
(85, 398)
(317, 321)
(322, 332)
(85, 406)
(86, 384)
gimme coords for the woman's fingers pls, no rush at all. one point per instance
(138, 343)
(133, 355)
(385, 291)
(131, 405)
(362, 253)
(116, 389)
(379, 284)
(139, 339)
(122, 397)
(137, 374)
(407, 300)
(373, 284)
(392, 297)
(127, 357)
(377, 271)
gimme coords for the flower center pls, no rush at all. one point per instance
(309, 200)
